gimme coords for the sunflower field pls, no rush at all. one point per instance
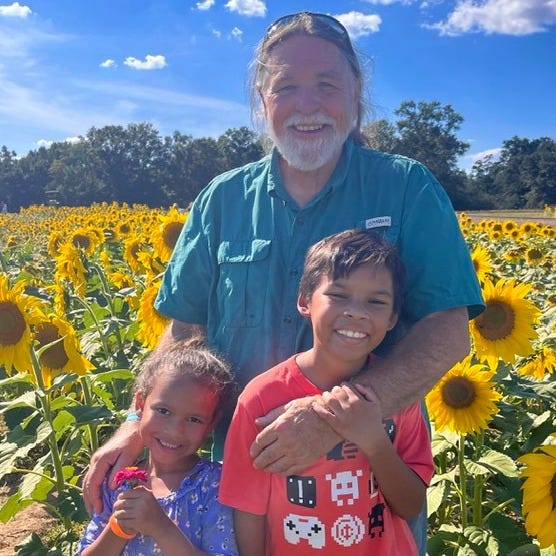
(76, 318)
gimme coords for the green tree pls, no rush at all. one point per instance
(523, 176)
(77, 176)
(133, 160)
(427, 133)
(239, 146)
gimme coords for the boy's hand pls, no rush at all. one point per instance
(353, 411)
(293, 438)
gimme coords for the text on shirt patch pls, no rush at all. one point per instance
(378, 222)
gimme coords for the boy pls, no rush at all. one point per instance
(357, 498)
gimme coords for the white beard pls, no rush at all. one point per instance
(309, 154)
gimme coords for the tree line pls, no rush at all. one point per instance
(135, 164)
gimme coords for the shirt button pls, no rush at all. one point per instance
(287, 320)
(293, 272)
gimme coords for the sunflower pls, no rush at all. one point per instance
(464, 400)
(151, 323)
(543, 362)
(534, 255)
(505, 328)
(87, 239)
(70, 266)
(167, 233)
(539, 493)
(55, 240)
(481, 262)
(62, 357)
(124, 281)
(18, 312)
(133, 246)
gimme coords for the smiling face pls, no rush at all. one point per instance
(350, 317)
(310, 101)
(176, 416)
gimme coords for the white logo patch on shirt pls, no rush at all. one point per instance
(378, 222)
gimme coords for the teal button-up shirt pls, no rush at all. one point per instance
(237, 264)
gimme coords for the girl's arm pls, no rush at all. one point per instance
(354, 412)
(250, 533)
(106, 544)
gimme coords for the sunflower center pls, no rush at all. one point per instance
(81, 240)
(171, 233)
(458, 392)
(497, 321)
(54, 357)
(12, 324)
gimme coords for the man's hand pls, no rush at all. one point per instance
(120, 451)
(293, 438)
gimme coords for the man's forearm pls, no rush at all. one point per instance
(429, 349)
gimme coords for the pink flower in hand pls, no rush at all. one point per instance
(130, 477)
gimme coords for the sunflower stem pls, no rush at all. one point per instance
(93, 435)
(107, 295)
(97, 325)
(44, 399)
(478, 483)
(462, 482)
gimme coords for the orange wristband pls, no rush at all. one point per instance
(117, 530)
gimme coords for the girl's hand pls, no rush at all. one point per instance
(138, 510)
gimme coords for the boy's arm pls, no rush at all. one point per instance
(293, 440)
(250, 533)
(354, 412)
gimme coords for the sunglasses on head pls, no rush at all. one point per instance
(326, 20)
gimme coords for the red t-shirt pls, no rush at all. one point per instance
(334, 506)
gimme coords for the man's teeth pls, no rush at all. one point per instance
(308, 127)
(351, 334)
(167, 444)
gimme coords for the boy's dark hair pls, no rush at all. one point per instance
(192, 359)
(338, 255)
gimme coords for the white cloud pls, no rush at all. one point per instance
(149, 63)
(389, 2)
(108, 63)
(466, 162)
(15, 10)
(48, 143)
(217, 33)
(205, 5)
(247, 7)
(493, 154)
(358, 24)
(505, 17)
(237, 33)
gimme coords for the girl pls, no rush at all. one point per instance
(179, 396)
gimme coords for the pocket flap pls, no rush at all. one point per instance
(243, 251)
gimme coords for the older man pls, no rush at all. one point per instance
(235, 270)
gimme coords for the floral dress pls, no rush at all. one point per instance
(194, 507)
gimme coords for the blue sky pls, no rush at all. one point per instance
(69, 65)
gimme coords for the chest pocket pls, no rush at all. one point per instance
(243, 281)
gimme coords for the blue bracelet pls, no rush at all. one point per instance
(132, 416)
